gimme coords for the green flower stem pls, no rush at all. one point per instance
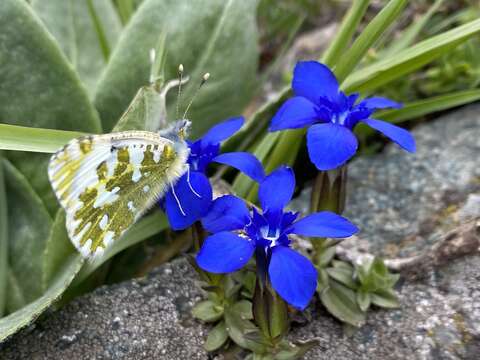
(270, 313)
(328, 193)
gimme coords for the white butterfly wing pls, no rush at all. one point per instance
(106, 182)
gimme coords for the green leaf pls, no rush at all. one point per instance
(363, 300)
(21, 138)
(57, 248)
(84, 40)
(216, 337)
(29, 226)
(207, 311)
(408, 60)
(146, 227)
(423, 107)
(243, 184)
(244, 308)
(340, 301)
(15, 321)
(219, 37)
(286, 149)
(326, 256)
(3, 240)
(15, 299)
(243, 332)
(385, 298)
(343, 276)
(372, 32)
(39, 89)
(346, 31)
(408, 36)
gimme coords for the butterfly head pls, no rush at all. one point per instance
(178, 131)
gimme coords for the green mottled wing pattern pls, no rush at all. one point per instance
(106, 182)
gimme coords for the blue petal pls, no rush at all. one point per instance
(276, 190)
(295, 113)
(223, 131)
(312, 80)
(374, 103)
(224, 252)
(245, 162)
(330, 145)
(193, 207)
(226, 213)
(401, 136)
(292, 276)
(323, 224)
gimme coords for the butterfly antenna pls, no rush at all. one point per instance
(180, 76)
(204, 80)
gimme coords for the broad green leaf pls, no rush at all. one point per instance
(212, 36)
(29, 226)
(372, 32)
(216, 337)
(340, 301)
(82, 34)
(3, 240)
(385, 298)
(243, 332)
(57, 248)
(39, 89)
(23, 317)
(410, 59)
(343, 276)
(207, 311)
(15, 299)
(22, 138)
(363, 300)
(146, 227)
(346, 31)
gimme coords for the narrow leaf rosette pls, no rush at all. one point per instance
(190, 198)
(238, 233)
(331, 116)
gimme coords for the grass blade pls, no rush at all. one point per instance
(345, 33)
(3, 241)
(423, 107)
(367, 38)
(22, 138)
(408, 36)
(102, 38)
(408, 60)
(427, 106)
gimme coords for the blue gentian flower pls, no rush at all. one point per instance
(191, 196)
(331, 116)
(239, 233)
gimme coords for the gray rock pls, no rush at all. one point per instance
(438, 319)
(402, 203)
(139, 319)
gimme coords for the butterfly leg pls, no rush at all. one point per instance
(190, 184)
(177, 200)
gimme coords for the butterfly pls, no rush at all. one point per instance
(106, 182)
